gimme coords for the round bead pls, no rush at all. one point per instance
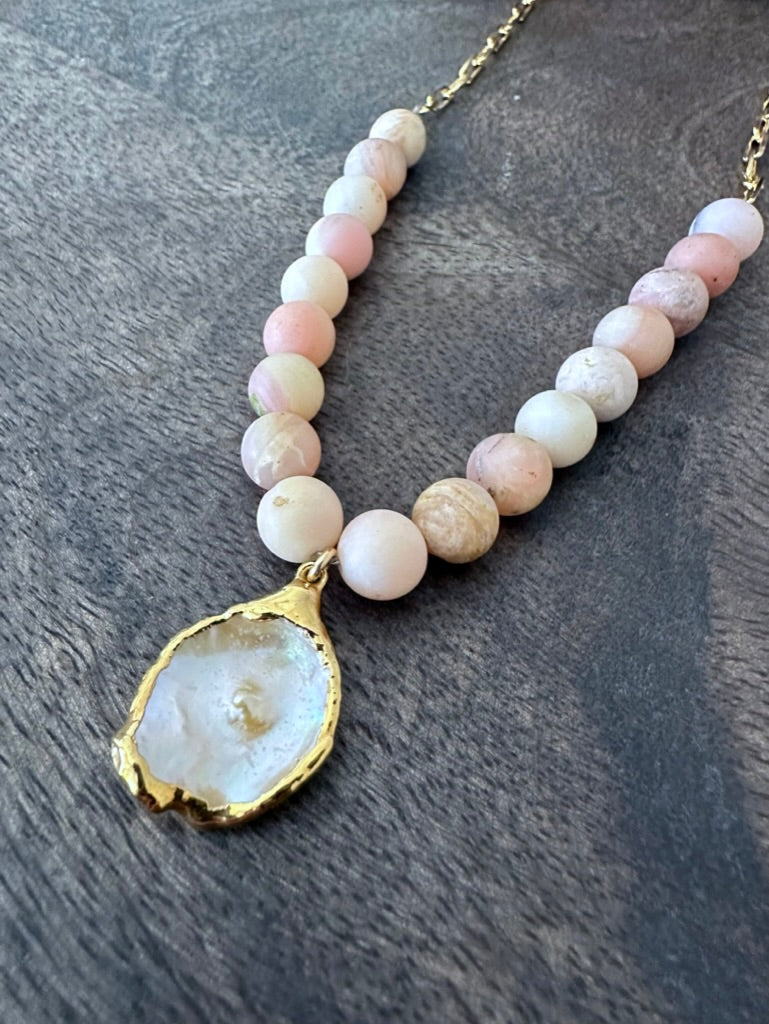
(564, 424)
(642, 333)
(382, 555)
(361, 197)
(680, 294)
(286, 382)
(735, 219)
(345, 239)
(316, 279)
(603, 377)
(301, 327)
(403, 127)
(381, 160)
(713, 257)
(299, 517)
(457, 518)
(515, 470)
(279, 445)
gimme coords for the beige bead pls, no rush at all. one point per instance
(403, 127)
(458, 519)
(564, 424)
(381, 160)
(516, 471)
(299, 517)
(382, 555)
(316, 279)
(286, 382)
(604, 377)
(360, 196)
(642, 333)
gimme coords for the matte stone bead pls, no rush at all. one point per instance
(458, 519)
(735, 219)
(286, 382)
(380, 159)
(299, 517)
(302, 327)
(345, 239)
(642, 333)
(564, 424)
(405, 128)
(515, 470)
(603, 377)
(714, 258)
(316, 279)
(361, 197)
(279, 445)
(680, 294)
(382, 555)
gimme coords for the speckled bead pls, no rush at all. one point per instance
(316, 279)
(286, 382)
(605, 378)
(301, 327)
(642, 333)
(714, 258)
(564, 424)
(380, 159)
(735, 219)
(382, 555)
(680, 294)
(405, 128)
(279, 445)
(457, 518)
(515, 470)
(299, 517)
(359, 196)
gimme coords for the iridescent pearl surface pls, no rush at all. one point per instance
(514, 469)
(279, 445)
(680, 294)
(286, 382)
(302, 327)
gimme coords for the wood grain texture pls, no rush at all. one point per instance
(550, 795)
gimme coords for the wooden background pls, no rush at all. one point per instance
(549, 797)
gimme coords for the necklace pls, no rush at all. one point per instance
(241, 708)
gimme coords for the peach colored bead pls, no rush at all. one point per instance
(680, 294)
(299, 517)
(403, 127)
(604, 377)
(457, 518)
(302, 327)
(564, 424)
(316, 279)
(382, 555)
(361, 197)
(380, 159)
(286, 382)
(714, 258)
(345, 239)
(642, 333)
(515, 470)
(279, 445)
(735, 219)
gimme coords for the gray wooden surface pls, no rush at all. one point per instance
(548, 800)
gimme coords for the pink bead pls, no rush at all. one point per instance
(279, 445)
(735, 219)
(382, 555)
(641, 333)
(380, 159)
(515, 470)
(680, 294)
(713, 257)
(345, 239)
(302, 327)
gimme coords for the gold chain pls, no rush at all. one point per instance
(750, 179)
(473, 66)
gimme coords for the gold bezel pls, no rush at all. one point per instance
(299, 603)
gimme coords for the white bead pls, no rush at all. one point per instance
(316, 279)
(360, 196)
(403, 127)
(734, 219)
(299, 517)
(564, 424)
(604, 377)
(382, 555)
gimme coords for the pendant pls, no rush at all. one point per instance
(238, 711)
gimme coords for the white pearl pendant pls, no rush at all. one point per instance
(238, 711)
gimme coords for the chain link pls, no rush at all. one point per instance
(750, 179)
(473, 66)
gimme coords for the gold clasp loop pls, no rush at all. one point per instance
(313, 572)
